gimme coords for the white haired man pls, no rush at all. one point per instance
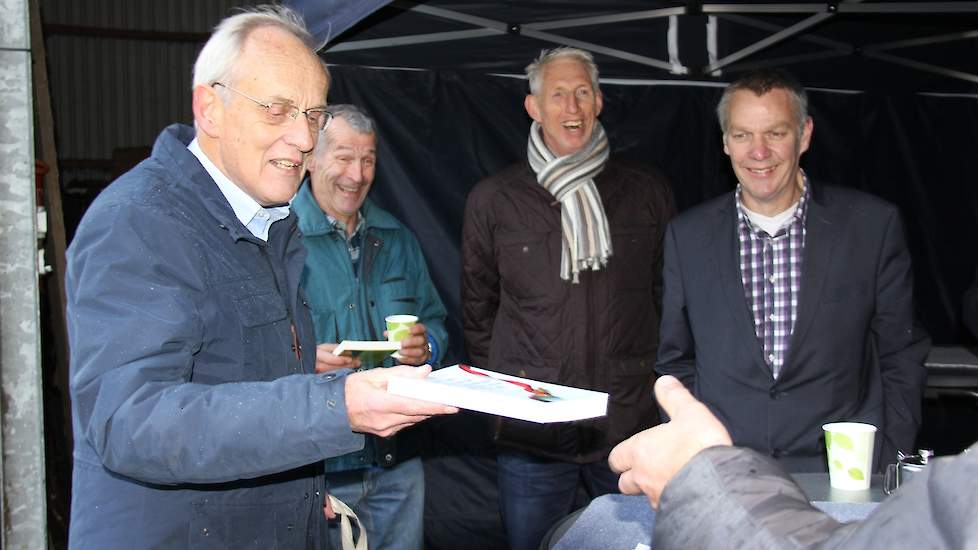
(561, 282)
(198, 418)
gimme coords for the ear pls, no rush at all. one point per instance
(724, 140)
(532, 108)
(598, 103)
(208, 110)
(806, 135)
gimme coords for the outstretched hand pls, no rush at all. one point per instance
(649, 459)
(372, 410)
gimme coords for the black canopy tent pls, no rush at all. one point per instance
(894, 97)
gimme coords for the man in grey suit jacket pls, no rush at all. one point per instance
(787, 303)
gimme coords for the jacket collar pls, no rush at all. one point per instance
(188, 173)
(825, 226)
(313, 221)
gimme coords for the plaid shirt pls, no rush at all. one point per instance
(353, 241)
(770, 268)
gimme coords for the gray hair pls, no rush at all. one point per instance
(356, 117)
(220, 57)
(534, 71)
(761, 82)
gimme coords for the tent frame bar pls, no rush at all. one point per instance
(820, 12)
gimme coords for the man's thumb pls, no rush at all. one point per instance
(671, 394)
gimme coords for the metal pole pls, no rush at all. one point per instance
(24, 508)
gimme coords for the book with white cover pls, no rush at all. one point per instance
(370, 352)
(496, 393)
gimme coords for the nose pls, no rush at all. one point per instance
(299, 135)
(572, 103)
(354, 171)
(759, 149)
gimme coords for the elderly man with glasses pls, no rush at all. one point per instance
(199, 419)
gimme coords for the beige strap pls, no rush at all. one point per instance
(346, 529)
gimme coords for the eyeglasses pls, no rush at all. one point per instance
(317, 117)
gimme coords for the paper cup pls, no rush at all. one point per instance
(849, 447)
(398, 326)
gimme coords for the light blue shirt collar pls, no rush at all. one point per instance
(252, 215)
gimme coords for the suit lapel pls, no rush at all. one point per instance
(824, 229)
(725, 246)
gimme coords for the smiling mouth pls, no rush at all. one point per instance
(573, 125)
(761, 171)
(347, 188)
(286, 164)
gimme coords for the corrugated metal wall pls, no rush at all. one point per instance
(119, 72)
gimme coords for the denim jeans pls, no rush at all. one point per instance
(535, 493)
(388, 501)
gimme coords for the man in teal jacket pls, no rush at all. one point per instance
(362, 266)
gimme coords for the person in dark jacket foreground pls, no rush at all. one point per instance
(362, 266)
(712, 495)
(561, 282)
(198, 418)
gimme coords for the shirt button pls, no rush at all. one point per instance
(205, 532)
(351, 306)
(773, 278)
(388, 457)
(772, 317)
(330, 403)
(770, 357)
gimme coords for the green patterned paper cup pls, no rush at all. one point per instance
(398, 326)
(849, 446)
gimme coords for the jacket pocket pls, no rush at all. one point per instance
(529, 265)
(401, 296)
(266, 337)
(254, 525)
(631, 401)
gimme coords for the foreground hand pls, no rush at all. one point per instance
(327, 362)
(414, 346)
(649, 459)
(372, 410)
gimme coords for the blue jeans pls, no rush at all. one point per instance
(535, 493)
(388, 501)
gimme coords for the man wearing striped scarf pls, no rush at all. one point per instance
(562, 283)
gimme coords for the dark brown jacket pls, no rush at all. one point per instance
(521, 318)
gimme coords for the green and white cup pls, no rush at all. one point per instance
(399, 326)
(849, 446)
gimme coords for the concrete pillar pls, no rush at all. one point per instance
(24, 508)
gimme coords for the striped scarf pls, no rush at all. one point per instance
(570, 179)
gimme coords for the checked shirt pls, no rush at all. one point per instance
(770, 268)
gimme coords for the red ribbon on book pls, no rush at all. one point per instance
(538, 393)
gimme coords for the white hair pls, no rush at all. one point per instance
(220, 56)
(534, 71)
